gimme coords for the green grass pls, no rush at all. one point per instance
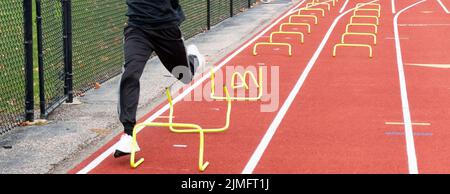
(11, 62)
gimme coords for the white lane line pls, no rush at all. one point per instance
(443, 6)
(442, 66)
(256, 156)
(393, 6)
(343, 7)
(180, 146)
(393, 38)
(409, 135)
(108, 152)
(422, 25)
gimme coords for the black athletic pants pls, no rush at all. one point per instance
(139, 44)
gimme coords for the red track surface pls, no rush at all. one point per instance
(337, 122)
(429, 87)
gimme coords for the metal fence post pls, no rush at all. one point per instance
(67, 25)
(28, 46)
(208, 19)
(40, 60)
(231, 8)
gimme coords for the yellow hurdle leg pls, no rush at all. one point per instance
(202, 165)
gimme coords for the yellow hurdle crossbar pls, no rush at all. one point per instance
(188, 128)
(316, 21)
(302, 36)
(353, 45)
(358, 34)
(362, 5)
(312, 9)
(347, 28)
(308, 5)
(243, 78)
(295, 24)
(271, 44)
(365, 16)
(365, 9)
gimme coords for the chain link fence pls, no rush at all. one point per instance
(12, 82)
(79, 38)
(97, 41)
(97, 34)
(52, 77)
(196, 17)
(220, 11)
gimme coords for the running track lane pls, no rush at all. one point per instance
(337, 122)
(426, 41)
(228, 152)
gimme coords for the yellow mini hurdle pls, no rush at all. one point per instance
(186, 128)
(317, 1)
(308, 26)
(363, 5)
(243, 78)
(272, 44)
(302, 36)
(366, 9)
(347, 28)
(316, 21)
(308, 5)
(353, 45)
(311, 9)
(361, 16)
(359, 34)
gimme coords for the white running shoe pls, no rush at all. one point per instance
(193, 50)
(123, 147)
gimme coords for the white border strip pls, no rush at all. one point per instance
(256, 157)
(393, 6)
(409, 136)
(108, 152)
(343, 7)
(443, 6)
